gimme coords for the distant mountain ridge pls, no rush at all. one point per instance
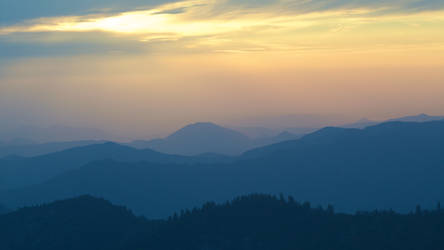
(19, 171)
(33, 149)
(417, 118)
(203, 138)
(364, 122)
(193, 139)
(206, 137)
(428, 133)
(355, 169)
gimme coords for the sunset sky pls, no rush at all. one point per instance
(149, 66)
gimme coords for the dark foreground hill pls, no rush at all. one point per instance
(80, 223)
(254, 222)
(3, 209)
(16, 172)
(393, 165)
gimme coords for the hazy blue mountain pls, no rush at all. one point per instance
(31, 149)
(281, 137)
(250, 222)
(18, 171)
(363, 123)
(257, 132)
(261, 133)
(417, 118)
(282, 122)
(143, 144)
(392, 165)
(201, 138)
(384, 139)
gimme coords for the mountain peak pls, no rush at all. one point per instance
(202, 125)
(203, 137)
(418, 118)
(204, 129)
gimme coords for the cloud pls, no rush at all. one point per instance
(149, 64)
(228, 26)
(53, 44)
(309, 6)
(13, 11)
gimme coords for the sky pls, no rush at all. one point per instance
(147, 67)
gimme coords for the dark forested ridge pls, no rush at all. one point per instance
(249, 222)
(79, 223)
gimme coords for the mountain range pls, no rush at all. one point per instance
(364, 122)
(35, 149)
(18, 172)
(208, 137)
(193, 139)
(391, 165)
(199, 138)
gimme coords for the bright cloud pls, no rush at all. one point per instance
(217, 26)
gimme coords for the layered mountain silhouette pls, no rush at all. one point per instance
(256, 132)
(252, 222)
(364, 122)
(194, 139)
(20, 171)
(417, 118)
(35, 149)
(392, 165)
(281, 137)
(200, 138)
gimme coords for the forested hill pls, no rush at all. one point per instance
(248, 222)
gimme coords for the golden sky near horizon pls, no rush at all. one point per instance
(372, 59)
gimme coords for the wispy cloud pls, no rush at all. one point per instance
(251, 26)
